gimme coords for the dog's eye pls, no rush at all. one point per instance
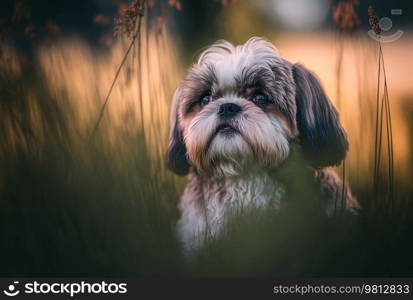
(205, 100)
(260, 99)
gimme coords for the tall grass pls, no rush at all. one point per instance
(75, 206)
(383, 115)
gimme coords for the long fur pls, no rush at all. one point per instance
(236, 170)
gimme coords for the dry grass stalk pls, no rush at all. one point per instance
(383, 118)
(175, 4)
(21, 13)
(345, 16)
(128, 17)
(101, 19)
(129, 21)
(30, 31)
(346, 19)
(52, 29)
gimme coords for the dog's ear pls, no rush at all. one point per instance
(322, 137)
(176, 156)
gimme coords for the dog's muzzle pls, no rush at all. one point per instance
(228, 110)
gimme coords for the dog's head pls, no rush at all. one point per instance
(243, 105)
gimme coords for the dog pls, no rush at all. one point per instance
(235, 120)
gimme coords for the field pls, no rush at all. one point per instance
(75, 201)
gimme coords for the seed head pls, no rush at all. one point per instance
(374, 20)
(345, 16)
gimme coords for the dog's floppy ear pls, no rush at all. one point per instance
(176, 156)
(322, 137)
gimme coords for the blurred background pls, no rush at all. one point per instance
(83, 186)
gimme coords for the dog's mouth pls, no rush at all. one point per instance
(225, 129)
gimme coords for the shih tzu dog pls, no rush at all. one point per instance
(235, 120)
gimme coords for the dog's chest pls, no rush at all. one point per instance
(207, 206)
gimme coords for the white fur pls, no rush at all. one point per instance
(261, 136)
(204, 218)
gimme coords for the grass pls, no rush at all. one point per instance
(71, 206)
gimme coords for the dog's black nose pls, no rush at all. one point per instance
(228, 110)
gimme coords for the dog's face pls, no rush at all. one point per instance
(244, 105)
